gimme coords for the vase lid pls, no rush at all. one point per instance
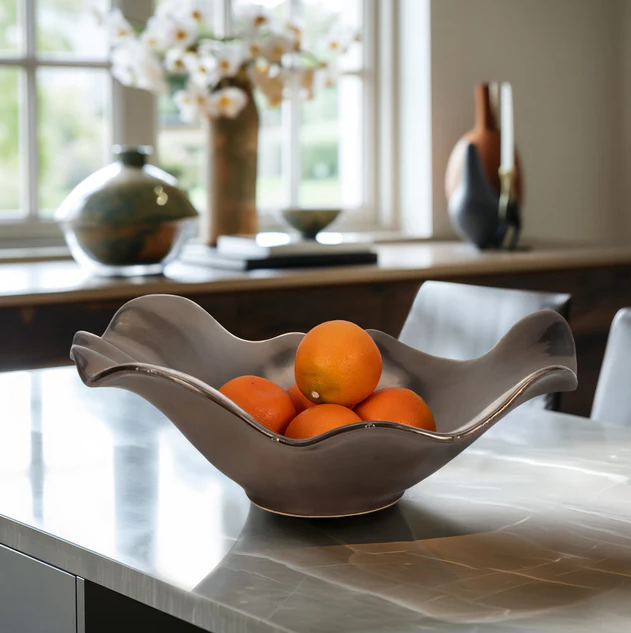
(132, 155)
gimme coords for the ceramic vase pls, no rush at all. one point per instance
(486, 137)
(231, 176)
(129, 218)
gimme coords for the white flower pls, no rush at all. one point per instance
(135, 65)
(228, 102)
(202, 68)
(229, 59)
(340, 39)
(119, 29)
(254, 47)
(193, 103)
(150, 74)
(154, 35)
(326, 77)
(193, 10)
(174, 60)
(179, 33)
(253, 17)
(168, 9)
(277, 45)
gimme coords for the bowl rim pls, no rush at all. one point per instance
(199, 387)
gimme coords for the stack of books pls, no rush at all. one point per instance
(279, 250)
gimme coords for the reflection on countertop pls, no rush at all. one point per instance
(527, 530)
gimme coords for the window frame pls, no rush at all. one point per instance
(133, 120)
(127, 120)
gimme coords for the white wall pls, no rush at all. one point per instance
(564, 59)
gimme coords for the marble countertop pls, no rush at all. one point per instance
(51, 282)
(527, 530)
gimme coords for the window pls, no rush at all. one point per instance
(55, 107)
(311, 153)
(60, 112)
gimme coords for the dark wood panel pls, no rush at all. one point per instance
(39, 336)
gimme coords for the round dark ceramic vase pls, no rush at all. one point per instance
(128, 218)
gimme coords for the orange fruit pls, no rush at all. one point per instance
(337, 363)
(395, 404)
(265, 401)
(300, 402)
(320, 419)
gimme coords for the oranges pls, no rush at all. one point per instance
(266, 402)
(337, 363)
(396, 404)
(300, 402)
(337, 368)
(320, 419)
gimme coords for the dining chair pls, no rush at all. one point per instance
(461, 322)
(612, 402)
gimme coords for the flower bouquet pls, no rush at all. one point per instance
(216, 77)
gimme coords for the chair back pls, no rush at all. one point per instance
(612, 402)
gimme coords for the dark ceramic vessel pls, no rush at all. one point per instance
(172, 353)
(128, 218)
(474, 206)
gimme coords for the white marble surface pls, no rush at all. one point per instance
(52, 282)
(528, 530)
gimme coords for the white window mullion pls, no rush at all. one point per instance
(29, 127)
(294, 169)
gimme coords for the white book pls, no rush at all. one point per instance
(264, 245)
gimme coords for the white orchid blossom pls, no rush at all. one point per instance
(174, 61)
(176, 41)
(179, 33)
(229, 59)
(195, 10)
(253, 17)
(133, 64)
(118, 28)
(326, 77)
(168, 9)
(227, 102)
(340, 40)
(276, 45)
(192, 103)
(202, 68)
(154, 35)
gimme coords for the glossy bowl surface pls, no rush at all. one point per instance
(171, 352)
(309, 222)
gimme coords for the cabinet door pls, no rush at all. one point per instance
(35, 597)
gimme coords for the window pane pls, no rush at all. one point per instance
(272, 191)
(319, 149)
(68, 27)
(10, 36)
(181, 151)
(331, 146)
(73, 130)
(10, 176)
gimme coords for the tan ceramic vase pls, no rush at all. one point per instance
(487, 139)
(232, 161)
